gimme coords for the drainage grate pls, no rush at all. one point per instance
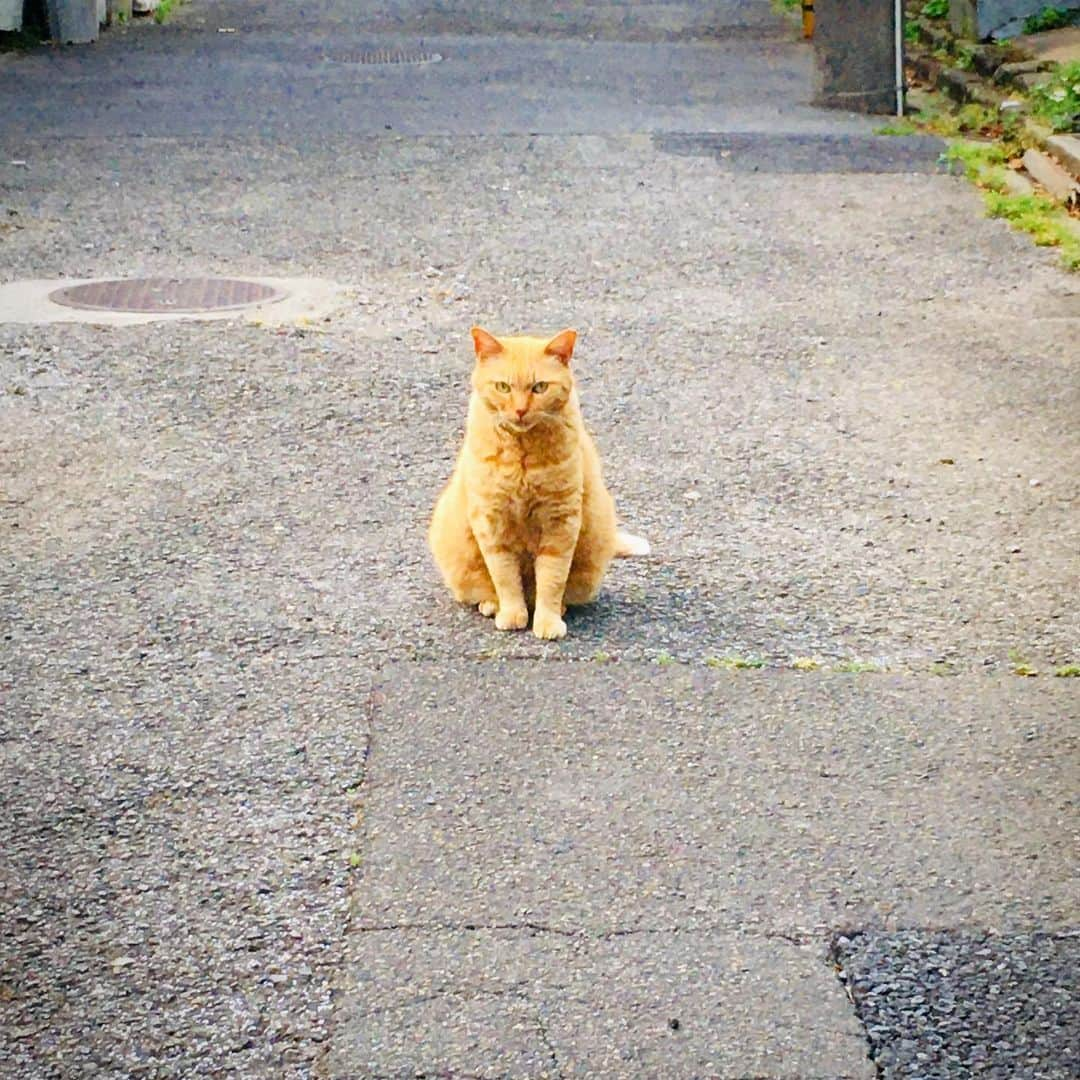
(380, 56)
(161, 294)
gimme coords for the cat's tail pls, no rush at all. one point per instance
(628, 545)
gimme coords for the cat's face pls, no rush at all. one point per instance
(523, 381)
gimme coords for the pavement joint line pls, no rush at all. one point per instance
(798, 938)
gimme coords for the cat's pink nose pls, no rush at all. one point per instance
(521, 412)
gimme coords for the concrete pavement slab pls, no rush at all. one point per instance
(611, 798)
(532, 1003)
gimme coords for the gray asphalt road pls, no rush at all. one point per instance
(274, 806)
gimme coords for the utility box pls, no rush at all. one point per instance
(72, 22)
(856, 46)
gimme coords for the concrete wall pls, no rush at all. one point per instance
(981, 19)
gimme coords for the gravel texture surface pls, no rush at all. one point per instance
(835, 467)
(523, 1001)
(836, 399)
(940, 1006)
(177, 837)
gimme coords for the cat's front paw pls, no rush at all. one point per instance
(548, 625)
(512, 618)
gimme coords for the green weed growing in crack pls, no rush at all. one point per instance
(734, 663)
(1068, 671)
(601, 657)
(1020, 666)
(805, 663)
(664, 659)
(165, 9)
(898, 127)
(943, 668)
(856, 667)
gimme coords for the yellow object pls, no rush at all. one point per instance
(807, 18)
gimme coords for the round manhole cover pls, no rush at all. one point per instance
(162, 294)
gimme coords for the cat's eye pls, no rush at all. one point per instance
(503, 387)
(539, 387)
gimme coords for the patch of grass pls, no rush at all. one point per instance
(899, 127)
(734, 663)
(1028, 212)
(856, 667)
(935, 9)
(971, 118)
(786, 5)
(975, 158)
(601, 657)
(911, 31)
(1050, 18)
(1057, 101)
(165, 9)
(355, 859)
(1041, 219)
(805, 663)
(965, 57)
(943, 668)
(664, 659)
(1068, 671)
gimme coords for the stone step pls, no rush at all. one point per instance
(1066, 148)
(1042, 168)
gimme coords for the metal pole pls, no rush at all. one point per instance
(898, 18)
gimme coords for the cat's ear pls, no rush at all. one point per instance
(486, 345)
(562, 345)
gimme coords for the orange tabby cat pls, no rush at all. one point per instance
(525, 518)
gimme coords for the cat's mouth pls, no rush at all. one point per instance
(517, 426)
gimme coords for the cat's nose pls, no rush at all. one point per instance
(521, 412)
